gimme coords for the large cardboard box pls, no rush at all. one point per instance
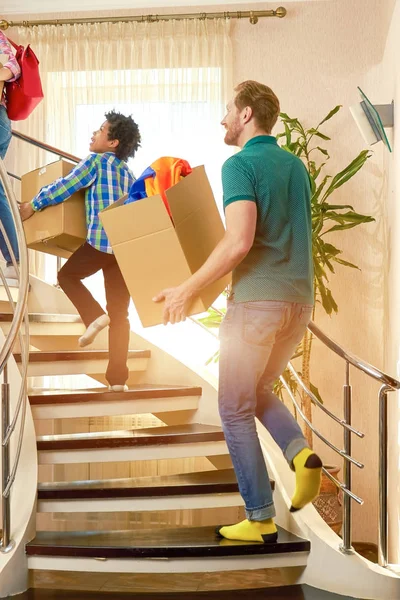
(153, 253)
(59, 229)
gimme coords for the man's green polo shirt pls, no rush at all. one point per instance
(279, 264)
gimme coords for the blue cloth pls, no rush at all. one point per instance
(138, 188)
(5, 211)
(257, 341)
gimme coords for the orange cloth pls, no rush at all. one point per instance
(168, 171)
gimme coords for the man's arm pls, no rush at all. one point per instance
(81, 176)
(241, 218)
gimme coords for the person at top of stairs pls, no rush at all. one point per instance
(106, 177)
(9, 71)
(267, 245)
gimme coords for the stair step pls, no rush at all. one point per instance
(187, 491)
(44, 318)
(203, 482)
(139, 444)
(175, 434)
(47, 324)
(40, 356)
(193, 542)
(75, 362)
(96, 402)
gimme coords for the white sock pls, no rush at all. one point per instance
(118, 388)
(93, 329)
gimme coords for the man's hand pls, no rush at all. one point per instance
(177, 302)
(25, 210)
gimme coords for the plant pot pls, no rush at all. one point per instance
(329, 501)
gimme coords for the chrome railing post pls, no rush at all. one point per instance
(5, 461)
(346, 545)
(383, 476)
(19, 310)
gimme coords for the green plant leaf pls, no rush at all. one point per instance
(316, 393)
(330, 115)
(314, 132)
(346, 263)
(324, 152)
(348, 172)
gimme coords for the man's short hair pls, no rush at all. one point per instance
(262, 101)
(126, 131)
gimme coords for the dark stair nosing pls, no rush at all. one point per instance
(283, 592)
(139, 392)
(44, 318)
(194, 542)
(184, 484)
(38, 356)
(152, 436)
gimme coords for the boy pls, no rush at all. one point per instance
(106, 177)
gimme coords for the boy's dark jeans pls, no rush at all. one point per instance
(85, 262)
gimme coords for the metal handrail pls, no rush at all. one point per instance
(34, 142)
(20, 316)
(356, 362)
(318, 404)
(315, 430)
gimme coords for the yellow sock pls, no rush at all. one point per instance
(250, 531)
(307, 466)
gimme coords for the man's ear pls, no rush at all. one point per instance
(247, 114)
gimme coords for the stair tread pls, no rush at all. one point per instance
(203, 482)
(138, 392)
(44, 318)
(175, 434)
(36, 356)
(162, 543)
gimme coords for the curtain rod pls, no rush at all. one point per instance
(252, 15)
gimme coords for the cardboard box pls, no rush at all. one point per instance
(59, 229)
(153, 254)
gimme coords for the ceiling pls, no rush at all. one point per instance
(36, 7)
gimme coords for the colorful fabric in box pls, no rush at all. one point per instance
(159, 177)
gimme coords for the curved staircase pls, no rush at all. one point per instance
(135, 482)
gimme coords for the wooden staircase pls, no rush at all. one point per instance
(135, 482)
(199, 490)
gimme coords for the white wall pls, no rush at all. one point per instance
(384, 82)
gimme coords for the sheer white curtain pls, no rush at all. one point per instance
(174, 77)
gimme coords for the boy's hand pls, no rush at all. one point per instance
(26, 210)
(177, 302)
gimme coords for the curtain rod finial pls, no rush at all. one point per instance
(253, 18)
(4, 24)
(281, 12)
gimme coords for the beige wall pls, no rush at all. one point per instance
(384, 80)
(314, 59)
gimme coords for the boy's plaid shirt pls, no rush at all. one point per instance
(106, 178)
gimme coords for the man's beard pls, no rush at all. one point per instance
(232, 135)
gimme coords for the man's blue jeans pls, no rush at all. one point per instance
(257, 341)
(5, 212)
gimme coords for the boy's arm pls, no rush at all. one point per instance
(81, 176)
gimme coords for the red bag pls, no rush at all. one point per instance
(24, 94)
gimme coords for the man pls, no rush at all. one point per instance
(106, 177)
(267, 245)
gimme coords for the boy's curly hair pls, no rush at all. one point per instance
(126, 131)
